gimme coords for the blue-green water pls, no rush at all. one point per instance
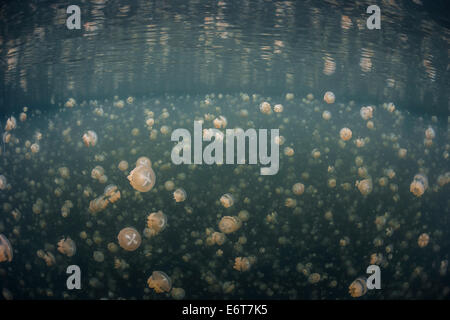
(139, 70)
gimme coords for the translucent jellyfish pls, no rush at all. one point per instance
(90, 138)
(123, 165)
(278, 108)
(366, 112)
(314, 278)
(265, 107)
(160, 282)
(430, 134)
(6, 250)
(364, 186)
(423, 240)
(67, 246)
(142, 178)
(169, 185)
(242, 264)
(97, 172)
(98, 204)
(129, 239)
(177, 293)
(179, 195)
(227, 200)
(288, 151)
(156, 222)
(359, 143)
(326, 115)
(34, 148)
(220, 122)
(3, 182)
(99, 256)
(358, 287)
(346, 134)
(244, 215)
(23, 117)
(419, 185)
(329, 97)
(11, 124)
(218, 238)
(229, 224)
(402, 153)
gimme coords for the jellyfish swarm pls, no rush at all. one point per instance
(67, 246)
(129, 239)
(6, 251)
(419, 185)
(142, 178)
(156, 222)
(160, 282)
(358, 287)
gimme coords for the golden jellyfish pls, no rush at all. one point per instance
(370, 125)
(3, 182)
(359, 143)
(391, 107)
(244, 215)
(288, 151)
(129, 239)
(366, 112)
(98, 204)
(242, 264)
(346, 134)
(364, 186)
(90, 138)
(11, 124)
(179, 195)
(402, 153)
(229, 224)
(70, 103)
(278, 108)
(314, 278)
(220, 122)
(144, 161)
(142, 178)
(227, 200)
(218, 238)
(177, 293)
(169, 185)
(430, 134)
(123, 165)
(67, 246)
(34, 148)
(329, 97)
(265, 108)
(6, 251)
(419, 185)
(97, 172)
(326, 115)
(23, 116)
(423, 240)
(48, 257)
(111, 193)
(156, 222)
(160, 282)
(358, 287)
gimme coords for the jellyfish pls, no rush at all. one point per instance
(366, 112)
(358, 287)
(142, 178)
(423, 240)
(326, 115)
(34, 148)
(156, 222)
(288, 151)
(346, 134)
(329, 97)
(6, 250)
(179, 195)
(123, 165)
(67, 246)
(90, 138)
(98, 256)
(227, 200)
(242, 264)
(129, 239)
(70, 103)
(430, 134)
(229, 224)
(220, 122)
(278, 108)
(160, 282)
(169, 185)
(265, 107)
(98, 204)
(97, 172)
(3, 182)
(418, 185)
(177, 293)
(364, 186)
(218, 238)
(314, 278)
(402, 153)
(11, 124)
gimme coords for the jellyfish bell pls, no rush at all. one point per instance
(364, 186)
(229, 224)
(242, 264)
(6, 250)
(157, 221)
(123, 165)
(90, 138)
(419, 185)
(67, 246)
(366, 112)
(358, 288)
(326, 115)
(430, 134)
(329, 97)
(345, 134)
(144, 161)
(142, 178)
(179, 195)
(227, 200)
(3, 182)
(129, 239)
(11, 124)
(160, 282)
(423, 240)
(278, 108)
(34, 148)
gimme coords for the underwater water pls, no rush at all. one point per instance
(363, 167)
